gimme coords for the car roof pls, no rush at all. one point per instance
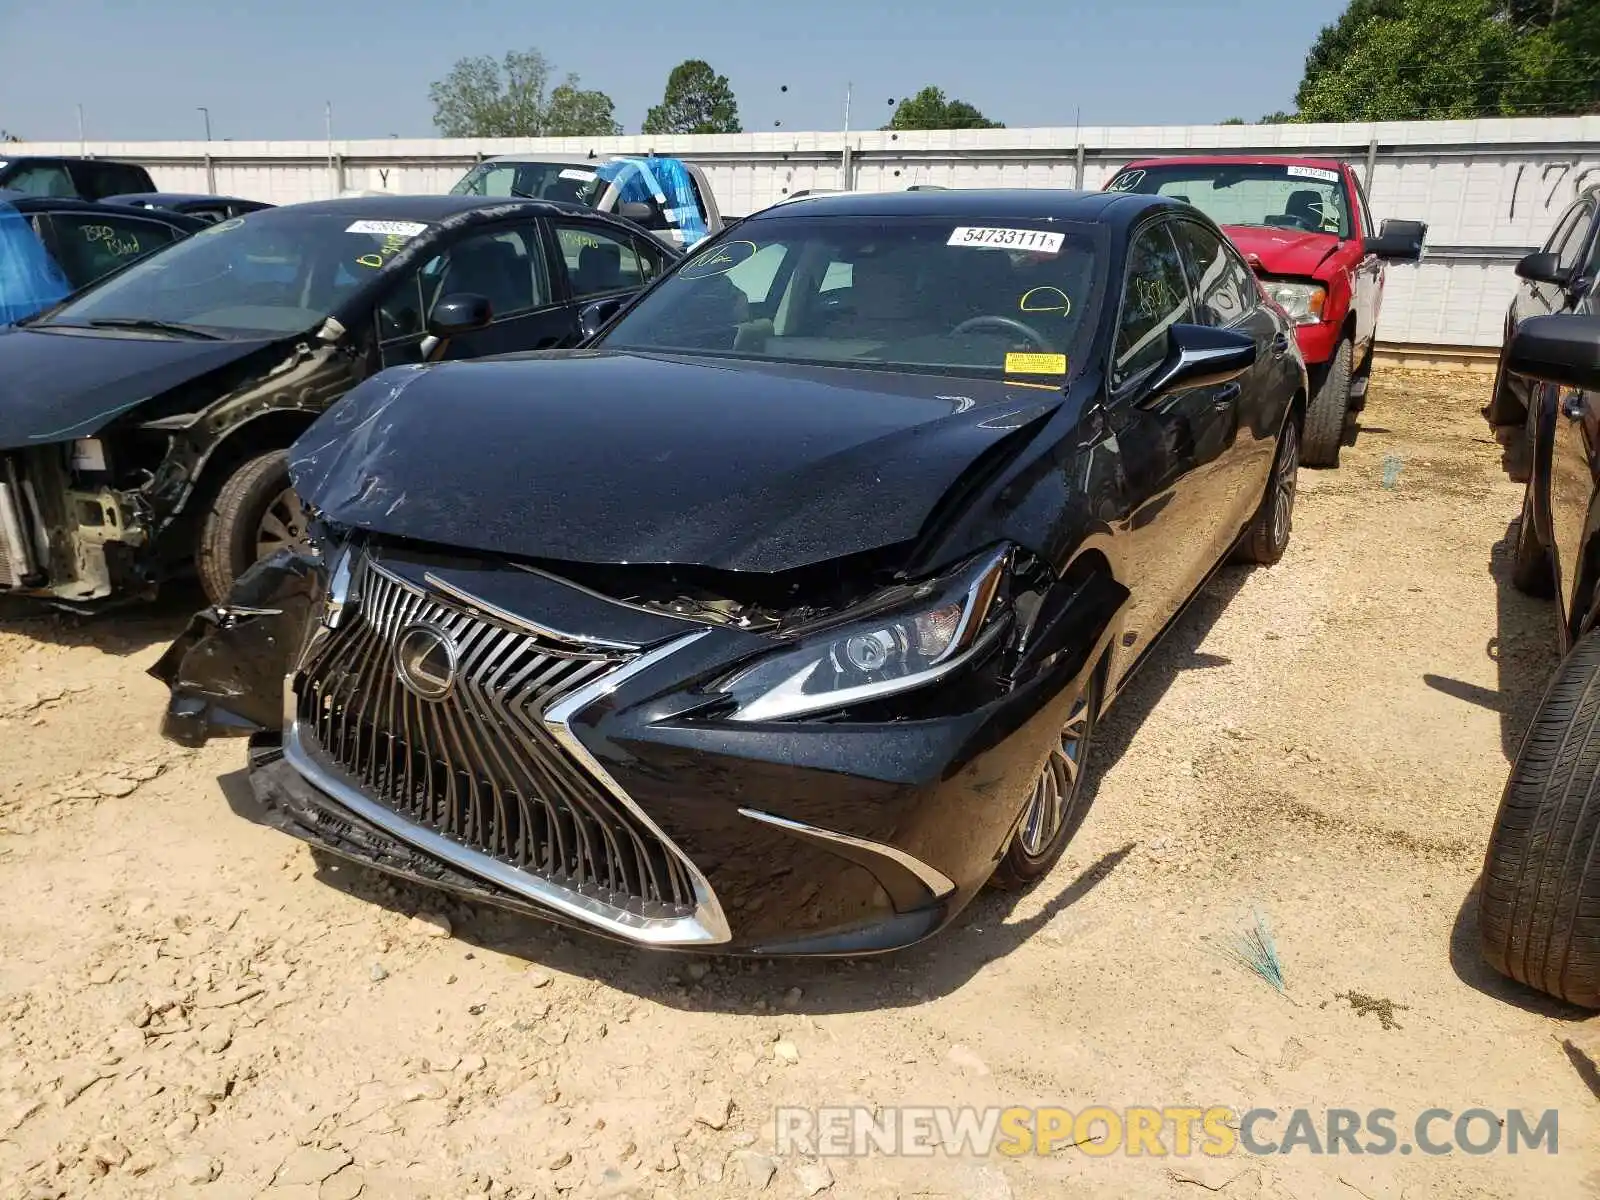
(161, 198)
(13, 160)
(530, 156)
(1017, 204)
(424, 208)
(26, 203)
(1236, 160)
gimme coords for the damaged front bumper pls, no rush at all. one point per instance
(656, 825)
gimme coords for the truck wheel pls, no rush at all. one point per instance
(1531, 573)
(1057, 806)
(256, 514)
(1325, 415)
(1539, 904)
(1268, 536)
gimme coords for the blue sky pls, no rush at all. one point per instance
(265, 69)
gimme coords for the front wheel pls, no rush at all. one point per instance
(257, 513)
(1326, 414)
(1057, 806)
(1539, 905)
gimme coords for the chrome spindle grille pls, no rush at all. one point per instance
(478, 765)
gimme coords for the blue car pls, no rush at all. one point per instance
(51, 246)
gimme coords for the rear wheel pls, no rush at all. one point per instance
(1268, 536)
(257, 513)
(1531, 572)
(1539, 906)
(1325, 415)
(1058, 804)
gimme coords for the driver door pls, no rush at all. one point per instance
(1170, 445)
(507, 265)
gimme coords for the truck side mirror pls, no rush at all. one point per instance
(1398, 241)
(635, 211)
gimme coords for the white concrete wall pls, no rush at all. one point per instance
(1488, 189)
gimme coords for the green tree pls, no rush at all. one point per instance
(697, 100)
(1396, 60)
(1278, 118)
(481, 97)
(929, 109)
(1232, 121)
(7, 136)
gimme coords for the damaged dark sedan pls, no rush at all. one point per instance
(144, 421)
(779, 619)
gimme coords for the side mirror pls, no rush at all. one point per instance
(458, 313)
(1542, 266)
(593, 317)
(1563, 349)
(1200, 356)
(1398, 241)
(635, 211)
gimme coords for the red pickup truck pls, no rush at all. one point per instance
(1304, 227)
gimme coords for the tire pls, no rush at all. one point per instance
(1325, 415)
(1268, 535)
(1531, 571)
(243, 527)
(1539, 903)
(1033, 849)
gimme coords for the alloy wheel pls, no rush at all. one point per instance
(1284, 480)
(282, 526)
(1056, 791)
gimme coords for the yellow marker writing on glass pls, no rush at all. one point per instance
(1036, 364)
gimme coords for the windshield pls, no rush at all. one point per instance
(1311, 199)
(269, 273)
(531, 181)
(916, 295)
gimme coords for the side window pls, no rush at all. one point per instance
(1572, 245)
(505, 266)
(1369, 227)
(1567, 230)
(651, 261)
(90, 245)
(599, 260)
(1155, 297)
(1223, 290)
(42, 179)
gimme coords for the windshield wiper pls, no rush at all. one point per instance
(154, 326)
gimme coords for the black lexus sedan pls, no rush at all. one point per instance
(144, 421)
(778, 619)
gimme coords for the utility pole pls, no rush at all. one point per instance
(83, 145)
(207, 113)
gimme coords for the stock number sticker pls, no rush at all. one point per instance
(1036, 240)
(1314, 173)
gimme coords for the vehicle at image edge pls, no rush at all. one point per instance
(1305, 228)
(207, 208)
(144, 422)
(669, 197)
(51, 247)
(80, 178)
(1539, 901)
(1556, 278)
(778, 618)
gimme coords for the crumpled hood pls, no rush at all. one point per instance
(1283, 251)
(58, 386)
(610, 457)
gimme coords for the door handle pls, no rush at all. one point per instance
(1573, 406)
(1225, 395)
(1280, 345)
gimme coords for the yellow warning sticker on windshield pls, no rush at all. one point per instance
(1036, 364)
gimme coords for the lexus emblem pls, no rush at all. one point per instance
(425, 661)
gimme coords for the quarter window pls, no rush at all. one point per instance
(1154, 299)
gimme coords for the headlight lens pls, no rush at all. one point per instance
(1302, 301)
(934, 632)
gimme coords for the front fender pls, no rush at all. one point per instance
(226, 670)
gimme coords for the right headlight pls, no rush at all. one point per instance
(1302, 301)
(940, 626)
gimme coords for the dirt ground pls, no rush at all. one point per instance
(194, 1005)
